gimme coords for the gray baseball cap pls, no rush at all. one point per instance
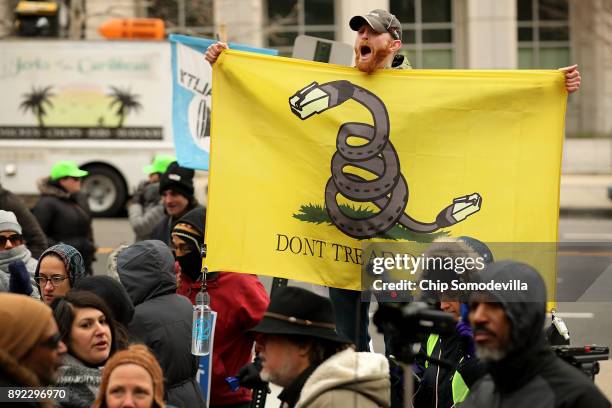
(381, 21)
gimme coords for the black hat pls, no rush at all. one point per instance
(381, 21)
(294, 310)
(177, 178)
(113, 293)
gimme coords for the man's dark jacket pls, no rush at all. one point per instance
(437, 380)
(66, 218)
(530, 375)
(162, 319)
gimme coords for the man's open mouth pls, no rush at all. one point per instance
(364, 50)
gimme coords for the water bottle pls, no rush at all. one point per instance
(202, 322)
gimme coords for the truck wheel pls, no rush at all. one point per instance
(105, 189)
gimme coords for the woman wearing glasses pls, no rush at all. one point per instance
(17, 266)
(59, 267)
(88, 330)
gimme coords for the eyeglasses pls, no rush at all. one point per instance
(55, 280)
(53, 341)
(16, 239)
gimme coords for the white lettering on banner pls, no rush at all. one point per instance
(195, 74)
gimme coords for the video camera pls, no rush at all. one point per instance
(584, 358)
(405, 324)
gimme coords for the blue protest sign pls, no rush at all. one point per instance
(191, 97)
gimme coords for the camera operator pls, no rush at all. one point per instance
(442, 386)
(522, 370)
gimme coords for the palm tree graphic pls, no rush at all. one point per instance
(126, 102)
(36, 101)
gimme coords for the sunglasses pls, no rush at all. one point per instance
(53, 341)
(16, 239)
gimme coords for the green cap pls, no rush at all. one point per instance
(66, 168)
(159, 165)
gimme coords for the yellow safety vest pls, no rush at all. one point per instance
(459, 388)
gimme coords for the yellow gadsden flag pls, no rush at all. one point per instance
(311, 160)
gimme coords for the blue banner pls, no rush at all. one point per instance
(191, 97)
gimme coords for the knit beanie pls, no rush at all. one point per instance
(136, 354)
(73, 261)
(8, 222)
(189, 234)
(177, 178)
(190, 227)
(24, 321)
(112, 293)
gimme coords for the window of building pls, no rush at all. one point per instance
(286, 19)
(543, 33)
(192, 17)
(427, 32)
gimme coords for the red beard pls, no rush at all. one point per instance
(377, 57)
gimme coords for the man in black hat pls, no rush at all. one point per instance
(176, 189)
(302, 352)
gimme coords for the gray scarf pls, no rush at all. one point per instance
(20, 253)
(81, 381)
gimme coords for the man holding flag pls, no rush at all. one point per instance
(377, 43)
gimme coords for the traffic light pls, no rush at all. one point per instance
(37, 18)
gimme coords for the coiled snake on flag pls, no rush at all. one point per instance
(389, 190)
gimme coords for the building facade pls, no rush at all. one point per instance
(437, 34)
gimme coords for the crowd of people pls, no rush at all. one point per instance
(124, 339)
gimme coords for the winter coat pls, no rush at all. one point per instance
(401, 62)
(81, 382)
(35, 238)
(348, 379)
(65, 217)
(435, 388)
(530, 375)
(145, 211)
(162, 319)
(19, 253)
(240, 301)
(13, 374)
(164, 228)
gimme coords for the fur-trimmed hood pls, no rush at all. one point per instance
(364, 374)
(46, 187)
(450, 247)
